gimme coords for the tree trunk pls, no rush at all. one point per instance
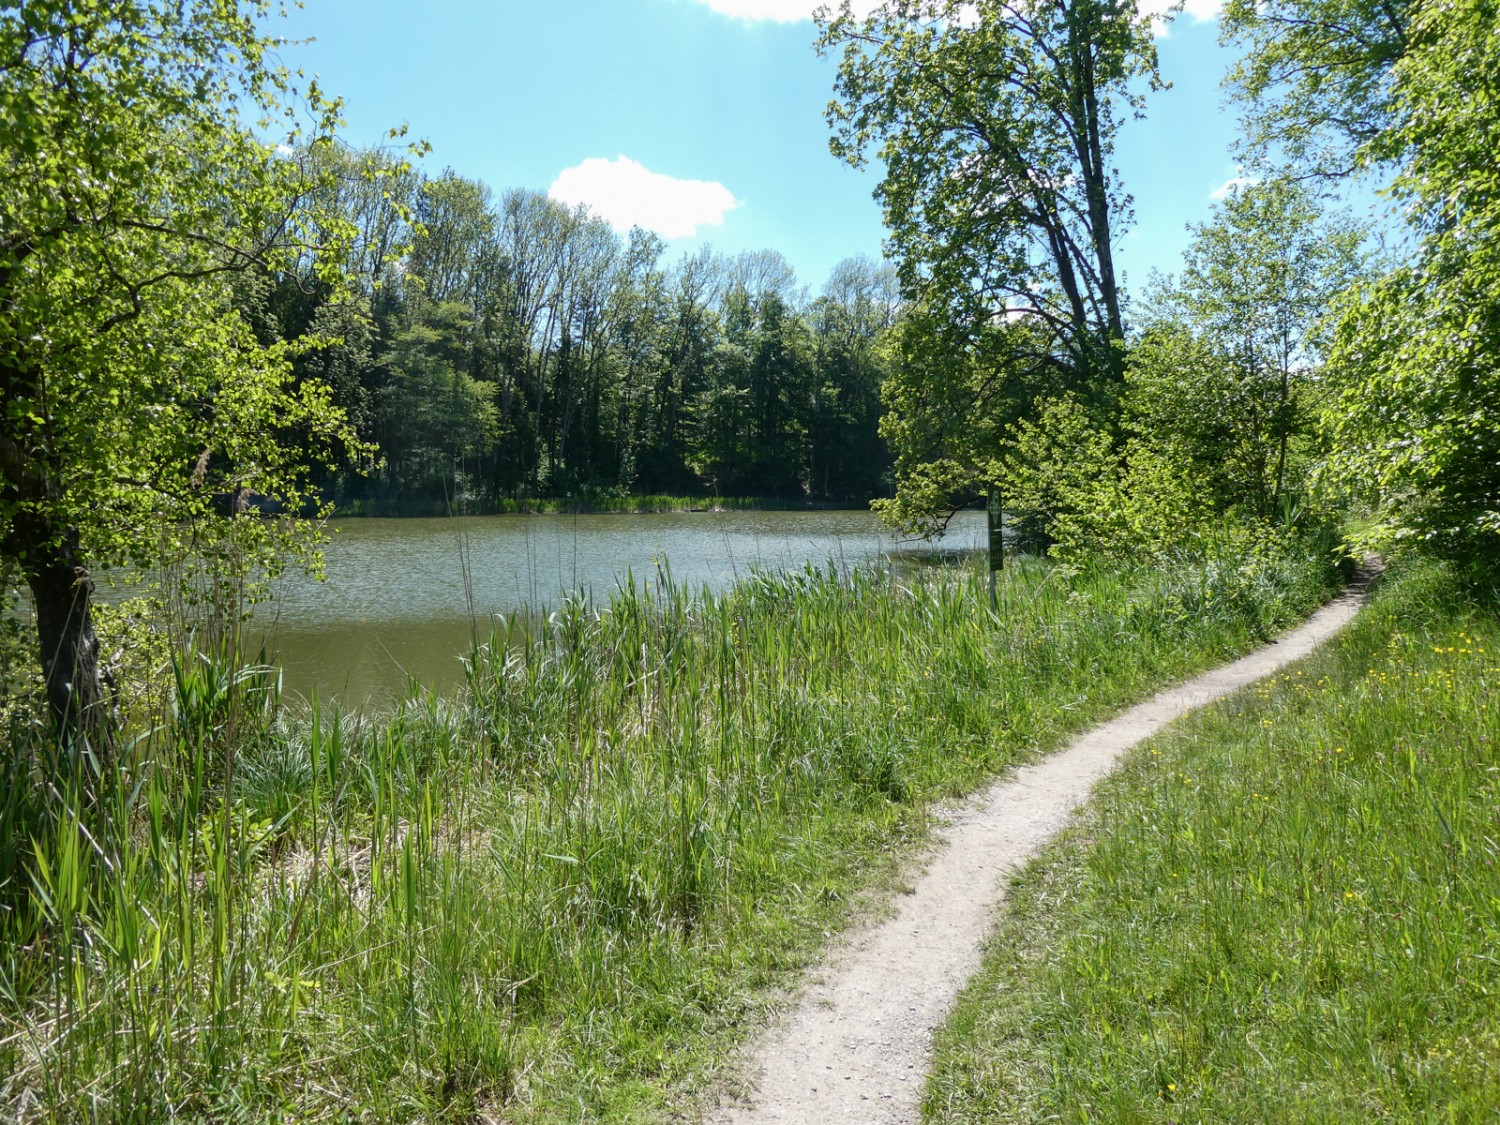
(78, 687)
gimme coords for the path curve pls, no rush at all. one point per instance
(856, 1046)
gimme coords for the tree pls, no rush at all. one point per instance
(1416, 356)
(638, 309)
(953, 399)
(1315, 78)
(435, 421)
(860, 303)
(1218, 412)
(690, 332)
(1235, 396)
(996, 121)
(134, 391)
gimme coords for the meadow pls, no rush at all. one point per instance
(1287, 908)
(571, 890)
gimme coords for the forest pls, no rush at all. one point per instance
(492, 349)
(574, 888)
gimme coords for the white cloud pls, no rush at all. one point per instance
(625, 193)
(1161, 13)
(1232, 185)
(781, 11)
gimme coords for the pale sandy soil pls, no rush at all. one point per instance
(854, 1047)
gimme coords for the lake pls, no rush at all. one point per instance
(401, 594)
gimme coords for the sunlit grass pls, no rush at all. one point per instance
(1286, 909)
(567, 893)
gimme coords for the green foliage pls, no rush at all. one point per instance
(953, 400)
(1186, 400)
(1063, 480)
(138, 652)
(1284, 909)
(139, 178)
(20, 666)
(1416, 424)
(751, 420)
(525, 350)
(432, 419)
(1083, 494)
(995, 126)
(134, 391)
(1225, 379)
(1315, 78)
(846, 454)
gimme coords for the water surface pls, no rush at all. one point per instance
(404, 597)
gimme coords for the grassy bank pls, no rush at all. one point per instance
(566, 894)
(1286, 909)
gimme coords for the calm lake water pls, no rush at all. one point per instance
(396, 606)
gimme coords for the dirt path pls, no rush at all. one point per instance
(856, 1046)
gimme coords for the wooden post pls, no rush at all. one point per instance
(997, 541)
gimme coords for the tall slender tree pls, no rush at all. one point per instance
(1255, 289)
(996, 122)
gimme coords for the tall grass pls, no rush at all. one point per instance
(566, 893)
(1286, 909)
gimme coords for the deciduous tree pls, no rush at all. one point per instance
(1235, 396)
(1315, 79)
(1416, 359)
(138, 152)
(996, 122)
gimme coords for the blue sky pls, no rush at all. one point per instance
(700, 118)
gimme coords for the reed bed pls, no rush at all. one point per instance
(570, 891)
(627, 503)
(1285, 909)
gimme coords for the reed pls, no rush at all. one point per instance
(568, 892)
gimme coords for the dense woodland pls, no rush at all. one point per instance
(492, 348)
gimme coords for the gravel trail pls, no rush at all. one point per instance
(856, 1046)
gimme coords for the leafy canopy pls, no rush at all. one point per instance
(996, 124)
(147, 152)
(1237, 398)
(1315, 78)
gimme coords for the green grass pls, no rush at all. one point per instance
(1285, 909)
(569, 893)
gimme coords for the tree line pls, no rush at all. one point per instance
(494, 347)
(1288, 374)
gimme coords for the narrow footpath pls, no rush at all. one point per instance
(857, 1044)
